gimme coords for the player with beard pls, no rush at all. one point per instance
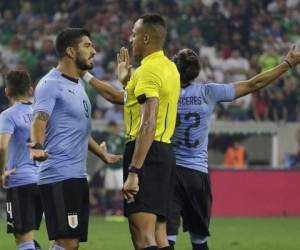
(192, 197)
(60, 139)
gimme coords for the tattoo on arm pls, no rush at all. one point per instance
(41, 116)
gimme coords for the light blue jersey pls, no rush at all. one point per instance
(68, 128)
(195, 106)
(16, 121)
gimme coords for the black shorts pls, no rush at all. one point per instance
(66, 205)
(192, 201)
(155, 180)
(24, 209)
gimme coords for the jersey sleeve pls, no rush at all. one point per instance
(7, 126)
(148, 85)
(45, 97)
(220, 92)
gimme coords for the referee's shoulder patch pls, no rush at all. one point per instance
(141, 98)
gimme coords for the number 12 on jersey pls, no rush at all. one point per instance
(193, 120)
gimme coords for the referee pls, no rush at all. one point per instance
(150, 100)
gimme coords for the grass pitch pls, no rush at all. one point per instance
(227, 234)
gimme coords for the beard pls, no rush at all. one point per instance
(82, 65)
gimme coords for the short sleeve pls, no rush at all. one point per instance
(7, 126)
(220, 92)
(148, 85)
(45, 97)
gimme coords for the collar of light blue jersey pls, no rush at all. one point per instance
(152, 56)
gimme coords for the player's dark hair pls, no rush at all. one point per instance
(153, 19)
(188, 65)
(69, 37)
(18, 82)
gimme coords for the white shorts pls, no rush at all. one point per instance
(113, 179)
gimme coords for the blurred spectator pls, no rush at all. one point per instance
(293, 160)
(291, 99)
(115, 114)
(235, 156)
(278, 109)
(249, 37)
(236, 67)
(114, 173)
(259, 106)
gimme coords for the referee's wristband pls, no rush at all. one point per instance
(87, 77)
(132, 169)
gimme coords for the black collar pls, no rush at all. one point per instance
(70, 78)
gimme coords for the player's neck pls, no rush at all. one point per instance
(22, 99)
(68, 69)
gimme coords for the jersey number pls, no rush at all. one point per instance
(86, 108)
(9, 210)
(187, 132)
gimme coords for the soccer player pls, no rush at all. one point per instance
(192, 196)
(19, 173)
(151, 98)
(60, 138)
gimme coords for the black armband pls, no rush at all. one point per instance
(141, 98)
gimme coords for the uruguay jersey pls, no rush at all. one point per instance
(195, 106)
(16, 121)
(68, 129)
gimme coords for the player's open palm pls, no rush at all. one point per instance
(124, 67)
(131, 186)
(5, 176)
(293, 56)
(109, 158)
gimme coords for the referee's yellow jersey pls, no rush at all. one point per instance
(156, 77)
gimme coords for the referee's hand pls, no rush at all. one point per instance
(131, 186)
(5, 176)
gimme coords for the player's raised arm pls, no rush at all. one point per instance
(263, 79)
(110, 93)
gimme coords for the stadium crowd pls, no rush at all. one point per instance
(236, 39)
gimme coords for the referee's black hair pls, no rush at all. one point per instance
(156, 24)
(188, 65)
(153, 19)
(68, 38)
(18, 82)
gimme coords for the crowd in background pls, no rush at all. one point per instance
(235, 40)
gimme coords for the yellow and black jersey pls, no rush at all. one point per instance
(156, 77)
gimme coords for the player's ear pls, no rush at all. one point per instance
(70, 52)
(146, 38)
(30, 91)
